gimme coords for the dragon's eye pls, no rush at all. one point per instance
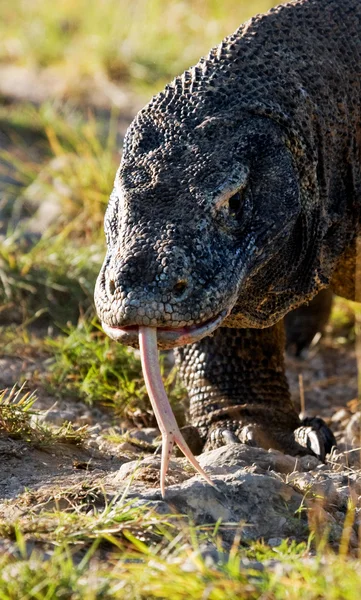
(235, 204)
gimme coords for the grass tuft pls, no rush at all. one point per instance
(143, 573)
(87, 364)
(18, 421)
(80, 517)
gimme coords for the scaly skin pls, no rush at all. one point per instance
(235, 381)
(237, 200)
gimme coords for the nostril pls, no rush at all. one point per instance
(180, 287)
(111, 287)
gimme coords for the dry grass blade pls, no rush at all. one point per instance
(15, 417)
(18, 421)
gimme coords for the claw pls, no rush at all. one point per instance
(229, 437)
(160, 403)
(315, 436)
(325, 434)
(220, 436)
(315, 444)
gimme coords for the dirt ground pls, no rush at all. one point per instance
(328, 376)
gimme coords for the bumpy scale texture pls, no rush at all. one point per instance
(238, 194)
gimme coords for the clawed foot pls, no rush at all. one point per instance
(313, 436)
(233, 432)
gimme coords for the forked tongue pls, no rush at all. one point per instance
(160, 403)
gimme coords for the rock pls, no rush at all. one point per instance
(258, 503)
(233, 456)
(341, 416)
(146, 434)
(58, 417)
(213, 558)
(317, 487)
(353, 430)
(259, 493)
(274, 542)
(309, 463)
(124, 446)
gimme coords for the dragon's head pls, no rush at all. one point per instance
(204, 226)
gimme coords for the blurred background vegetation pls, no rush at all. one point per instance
(142, 43)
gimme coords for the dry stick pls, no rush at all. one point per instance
(302, 394)
(160, 403)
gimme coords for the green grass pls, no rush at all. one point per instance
(80, 362)
(57, 274)
(144, 42)
(79, 543)
(86, 364)
(54, 278)
(19, 421)
(82, 515)
(133, 570)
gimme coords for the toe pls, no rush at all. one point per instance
(221, 435)
(314, 437)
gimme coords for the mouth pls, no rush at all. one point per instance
(167, 337)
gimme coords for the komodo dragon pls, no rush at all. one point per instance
(236, 201)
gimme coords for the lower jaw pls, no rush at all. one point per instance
(168, 337)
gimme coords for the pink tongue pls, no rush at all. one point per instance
(160, 403)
